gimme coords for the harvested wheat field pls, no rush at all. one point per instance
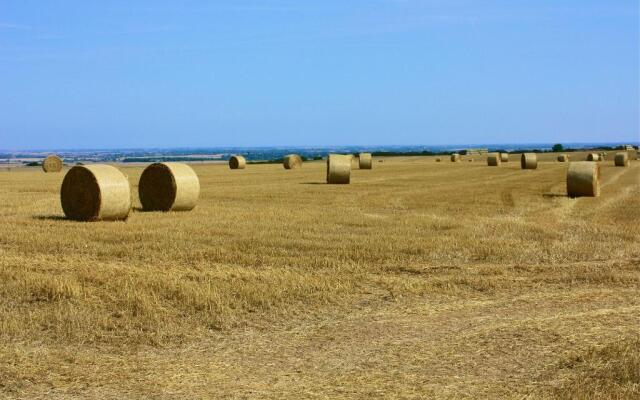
(414, 281)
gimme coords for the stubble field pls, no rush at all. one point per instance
(418, 280)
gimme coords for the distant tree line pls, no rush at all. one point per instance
(162, 159)
(408, 153)
(281, 160)
(555, 148)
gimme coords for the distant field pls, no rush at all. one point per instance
(418, 280)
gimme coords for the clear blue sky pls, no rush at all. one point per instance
(113, 74)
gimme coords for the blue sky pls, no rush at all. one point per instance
(115, 74)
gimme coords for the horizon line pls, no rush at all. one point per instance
(222, 147)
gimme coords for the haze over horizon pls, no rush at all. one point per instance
(155, 74)
(372, 147)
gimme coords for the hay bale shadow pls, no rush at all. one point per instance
(551, 195)
(51, 218)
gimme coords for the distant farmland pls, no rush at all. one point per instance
(418, 279)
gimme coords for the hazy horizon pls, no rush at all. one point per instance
(355, 146)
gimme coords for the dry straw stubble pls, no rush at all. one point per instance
(151, 294)
(338, 169)
(95, 192)
(237, 162)
(583, 179)
(52, 163)
(168, 187)
(529, 161)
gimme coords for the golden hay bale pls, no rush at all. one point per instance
(52, 163)
(504, 157)
(365, 160)
(95, 192)
(593, 157)
(292, 161)
(438, 159)
(338, 168)
(455, 157)
(529, 161)
(583, 179)
(168, 187)
(563, 158)
(621, 159)
(355, 163)
(493, 159)
(237, 162)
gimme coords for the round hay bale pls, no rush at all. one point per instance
(563, 158)
(504, 157)
(470, 160)
(621, 159)
(455, 157)
(237, 162)
(529, 161)
(338, 169)
(355, 163)
(365, 160)
(438, 159)
(292, 161)
(95, 192)
(494, 159)
(52, 163)
(168, 187)
(593, 157)
(583, 179)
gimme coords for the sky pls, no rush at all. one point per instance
(132, 74)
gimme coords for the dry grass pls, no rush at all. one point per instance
(610, 372)
(414, 281)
